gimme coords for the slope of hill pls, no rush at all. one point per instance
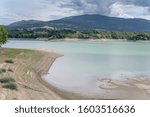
(88, 22)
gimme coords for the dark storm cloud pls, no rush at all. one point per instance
(103, 6)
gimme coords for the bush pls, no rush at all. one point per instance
(2, 70)
(6, 80)
(10, 85)
(9, 61)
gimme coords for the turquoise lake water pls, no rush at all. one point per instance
(86, 61)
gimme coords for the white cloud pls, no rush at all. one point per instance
(16, 10)
(129, 11)
(34, 9)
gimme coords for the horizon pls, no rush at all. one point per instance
(47, 10)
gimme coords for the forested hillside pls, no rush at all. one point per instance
(83, 27)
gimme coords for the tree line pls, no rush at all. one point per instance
(68, 33)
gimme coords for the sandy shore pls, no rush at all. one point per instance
(76, 39)
(28, 68)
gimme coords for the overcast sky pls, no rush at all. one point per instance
(16, 10)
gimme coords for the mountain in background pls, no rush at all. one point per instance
(88, 22)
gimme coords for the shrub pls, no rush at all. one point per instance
(2, 70)
(6, 80)
(10, 85)
(9, 61)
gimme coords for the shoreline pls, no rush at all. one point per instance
(76, 39)
(62, 93)
(28, 76)
(30, 65)
(125, 89)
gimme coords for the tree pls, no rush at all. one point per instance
(3, 35)
(140, 37)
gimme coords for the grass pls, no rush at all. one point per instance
(9, 83)
(25, 58)
(13, 53)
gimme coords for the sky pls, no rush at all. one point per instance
(16, 10)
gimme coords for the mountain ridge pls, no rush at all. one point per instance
(89, 22)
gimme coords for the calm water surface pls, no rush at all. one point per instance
(86, 61)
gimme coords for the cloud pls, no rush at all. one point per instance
(142, 2)
(96, 6)
(129, 11)
(15, 10)
(115, 8)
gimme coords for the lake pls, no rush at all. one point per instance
(84, 62)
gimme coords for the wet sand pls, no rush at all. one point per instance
(126, 89)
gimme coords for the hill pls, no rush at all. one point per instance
(88, 22)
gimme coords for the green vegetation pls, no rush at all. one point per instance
(25, 60)
(3, 35)
(9, 61)
(24, 56)
(6, 80)
(9, 83)
(2, 70)
(84, 34)
(12, 54)
(141, 37)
